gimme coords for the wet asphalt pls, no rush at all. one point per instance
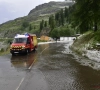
(51, 67)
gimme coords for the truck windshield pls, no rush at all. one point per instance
(20, 40)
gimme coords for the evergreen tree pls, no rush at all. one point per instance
(62, 17)
(34, 27)
(30, 27)
(88, 12)
(25, 24)
(52, 22)
(45, 24)
(41, 24)
(66, 13)
(57, 16)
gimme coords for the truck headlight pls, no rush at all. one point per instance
(11, 47)
(23, 47)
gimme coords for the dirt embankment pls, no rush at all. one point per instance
(88, 45)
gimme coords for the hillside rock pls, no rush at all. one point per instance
(48, 8)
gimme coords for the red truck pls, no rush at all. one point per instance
(23, 43)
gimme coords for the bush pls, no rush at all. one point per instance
(97, 36)
(8, 41)
(2, 50)
(55, 33)
(64, 31)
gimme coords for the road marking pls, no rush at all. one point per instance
(35, 59)
(20, 83)
(44, 50)
(29, 69)
(32, 64)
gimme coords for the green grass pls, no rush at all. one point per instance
(88, 40)
(5, 41)
(4, 52)
(97, 37)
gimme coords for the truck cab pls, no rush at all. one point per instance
(24, 43)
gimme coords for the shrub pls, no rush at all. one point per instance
(97, 36)
(2, 50)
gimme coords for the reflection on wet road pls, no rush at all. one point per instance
(52, 67)
(63, 72)
(23, 61)
(13, 69)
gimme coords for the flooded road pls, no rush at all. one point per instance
(52, 67)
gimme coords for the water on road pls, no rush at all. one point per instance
(52, 67)
(63, 71)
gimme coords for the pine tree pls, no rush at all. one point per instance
(62, 17)
(52, 22)
(66, 13)
(45, 24)
(30, 27)
(41, 24)
(88, 13)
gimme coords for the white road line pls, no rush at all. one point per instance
(32, 64)
(43, 50)
(29, 68)
(35, 59)
(20, 84)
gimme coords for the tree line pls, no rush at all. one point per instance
(83, 15)
(58, 20)
(87, 14)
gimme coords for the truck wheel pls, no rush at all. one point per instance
(13, 54)
(27, 51)
(34, 49)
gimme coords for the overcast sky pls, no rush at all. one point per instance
(11, 9)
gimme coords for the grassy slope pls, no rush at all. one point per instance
(85, 41)
(4, 45)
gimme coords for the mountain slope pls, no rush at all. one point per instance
(43, 11)
(47, 8)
